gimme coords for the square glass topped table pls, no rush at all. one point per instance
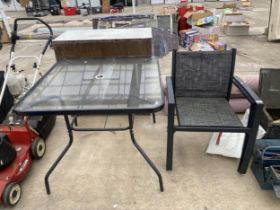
(96, 86)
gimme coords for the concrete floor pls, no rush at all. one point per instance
(103, 170)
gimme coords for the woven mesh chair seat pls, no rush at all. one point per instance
(206, 112)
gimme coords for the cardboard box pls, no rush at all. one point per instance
(193, 17)
(219, 46)
(246, 3)
(237, 29)
(208, 29)
(24, 3)
(229, 5)
(233, 17)
(132, 42)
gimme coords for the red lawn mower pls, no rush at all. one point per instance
(22, 139)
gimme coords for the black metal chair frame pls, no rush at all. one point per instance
(250, 131)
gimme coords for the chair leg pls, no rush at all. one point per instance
(170, 135)
(248, 148)
(169, 157)
(250, 138)
(154, 117)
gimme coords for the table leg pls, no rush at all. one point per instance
(70, 133)
(130, 120)
(75, 121)
(154, 117)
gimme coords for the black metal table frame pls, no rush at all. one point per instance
(128, 111)
(72, 126)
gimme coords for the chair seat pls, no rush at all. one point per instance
(206, 112)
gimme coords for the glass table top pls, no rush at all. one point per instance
(104, 85)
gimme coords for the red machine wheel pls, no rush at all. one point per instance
(12, 194)
(38, 148)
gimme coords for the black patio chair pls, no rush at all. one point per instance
(199, 90)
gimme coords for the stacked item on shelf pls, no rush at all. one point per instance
(201, 39)
(217, 45)
(199, 16)
(191, 15)
(187, 37)
(202, 31)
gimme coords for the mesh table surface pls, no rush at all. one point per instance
(96, 86)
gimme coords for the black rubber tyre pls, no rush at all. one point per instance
(12, 194)
(38, 148)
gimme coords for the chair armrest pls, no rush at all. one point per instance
(170, 91)
(247, 91)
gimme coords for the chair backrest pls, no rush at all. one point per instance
(269, 87)
(204, 73)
